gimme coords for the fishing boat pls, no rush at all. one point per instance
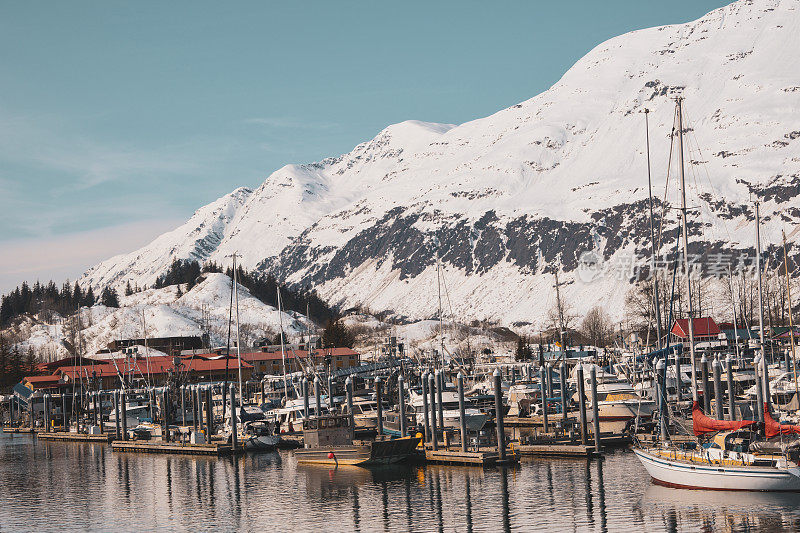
(330, 440)
(734, 458)
(617, 400)
(475, 418)
(254, 432)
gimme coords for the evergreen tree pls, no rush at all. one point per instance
(88, 298)
(128, 289)
(109, 297)
(337, 335)
(77, 295)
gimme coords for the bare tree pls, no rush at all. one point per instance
(597, 326)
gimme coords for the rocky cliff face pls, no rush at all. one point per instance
(504, 201)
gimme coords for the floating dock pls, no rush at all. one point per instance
(154, 446)
(104, 438)
(455, 456)
(556, 450)
(8, 429)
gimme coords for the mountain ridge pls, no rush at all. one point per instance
(505, 201)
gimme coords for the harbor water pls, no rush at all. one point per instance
(78, 486)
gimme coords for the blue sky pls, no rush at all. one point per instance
(119, 119)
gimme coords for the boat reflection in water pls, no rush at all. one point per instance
(722, 510)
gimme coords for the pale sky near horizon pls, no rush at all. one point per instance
(119, 119)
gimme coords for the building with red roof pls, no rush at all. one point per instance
(705, 329)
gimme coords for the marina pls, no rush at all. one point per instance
(577, 313)
(127, 491)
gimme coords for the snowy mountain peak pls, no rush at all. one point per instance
(506, 200)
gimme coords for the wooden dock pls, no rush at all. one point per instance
(157, 446)
(9, 429)
(556, 450)
(104, 438)
(454, 456)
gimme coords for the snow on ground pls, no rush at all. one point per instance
(162, 313)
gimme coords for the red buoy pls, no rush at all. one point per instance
(330, 455)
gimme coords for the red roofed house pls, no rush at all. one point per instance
(271, 362)
(705, 329)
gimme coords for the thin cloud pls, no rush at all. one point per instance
(289, 123)
(68, 256)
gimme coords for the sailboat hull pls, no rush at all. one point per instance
(718, 477)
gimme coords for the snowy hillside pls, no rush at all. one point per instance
(506, 200)
(161, 313)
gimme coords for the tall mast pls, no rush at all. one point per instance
(789, 302)
(657, 299)
(765, 374)
(238, 337)
(283, 350)
(735, 326)
(560, 315)
(685, 231)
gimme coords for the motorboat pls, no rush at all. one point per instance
(329, 439)
(475, 418)
(253, 430)
(617, 400)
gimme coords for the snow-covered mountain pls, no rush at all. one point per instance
(506, 200)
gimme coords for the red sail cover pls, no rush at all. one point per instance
(703, 424)
(772, 428)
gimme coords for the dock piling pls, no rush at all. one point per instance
(582, 404)
(543, 388)
(234, 430)
(379, 398)
(117, 418)
(306, 407)
(718, 403)
(661, 388)
(317, 398)
(183, 405)
(195, 414)
(462, 412)
(731, 394)
(759, 390)
(124, 410)
(426, 415)
(706, 392)
(209, 413)
(562, 378)
(498, 415)
(432, 402)
(595, 408)
(348, 385)
(165, 414)
(401, 399)
(439, 405)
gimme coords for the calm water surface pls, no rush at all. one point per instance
(63, 486)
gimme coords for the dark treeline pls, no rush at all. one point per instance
(40, 297)
(262, 286)
(67, 299)
(14, 364)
